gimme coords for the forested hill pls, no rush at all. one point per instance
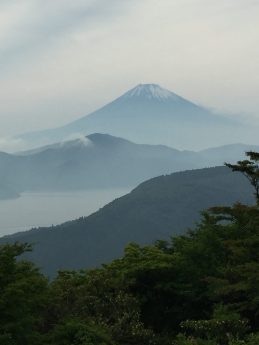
(156, 209)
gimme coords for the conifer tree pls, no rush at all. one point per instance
(250, 169)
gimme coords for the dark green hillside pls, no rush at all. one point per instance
(159, 208)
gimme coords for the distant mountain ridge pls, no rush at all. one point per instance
(156, 209)
(101, 161)
(152, 115)
(97, 161)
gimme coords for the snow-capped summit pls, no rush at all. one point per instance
(151, 91)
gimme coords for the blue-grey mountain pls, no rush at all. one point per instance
(152, 115)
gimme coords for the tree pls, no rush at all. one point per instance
(23, 290)
(250, 169)
(99, 296)
(78, 332)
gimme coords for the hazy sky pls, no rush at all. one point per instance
(61, 59)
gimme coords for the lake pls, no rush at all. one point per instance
(44, 208)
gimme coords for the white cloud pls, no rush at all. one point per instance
(77, 137)
(8, 144)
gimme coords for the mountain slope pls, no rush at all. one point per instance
(227, 153)
(152, 115)
(156, 209)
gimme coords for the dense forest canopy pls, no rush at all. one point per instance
(201, 288)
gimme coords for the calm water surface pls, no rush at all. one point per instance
(45, 209)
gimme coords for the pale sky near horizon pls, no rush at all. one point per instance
(61, 59)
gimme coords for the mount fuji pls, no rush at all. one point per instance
(152, 115)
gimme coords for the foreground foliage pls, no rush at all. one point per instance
(201, 288)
